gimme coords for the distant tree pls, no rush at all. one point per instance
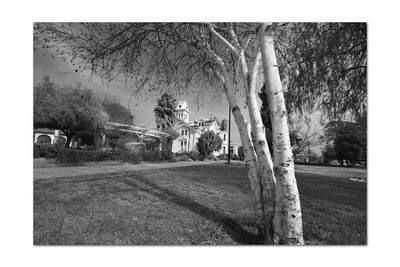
(117, 112)
(328, 153)
(345, 140)
(208, 142)
(164, 111)
(74, 111)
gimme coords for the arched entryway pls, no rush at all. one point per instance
(44, 139)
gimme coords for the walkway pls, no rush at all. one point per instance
(47, 173)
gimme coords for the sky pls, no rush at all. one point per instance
(63, 74)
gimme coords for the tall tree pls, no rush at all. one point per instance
(223, 58)
(165, 112)
(117, 112)
(74, 111)
(348, 140)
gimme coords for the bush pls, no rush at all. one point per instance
(131, 157)
(135, 146)
(36, 153)
(78, 156)
(182, 156)
(212, 157)
(71, 156)
(45, 151)
(234, 157)
(150, 155)
(223, 156)
(168, 156)
(194, 155)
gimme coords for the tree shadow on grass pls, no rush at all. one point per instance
(233, 228)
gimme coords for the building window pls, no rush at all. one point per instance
(224, 137)
(181, 145)
(186, 132)
(223, 148)
(182, 132)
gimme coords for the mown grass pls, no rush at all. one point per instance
(183, 206)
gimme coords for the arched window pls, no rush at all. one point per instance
(43, 139)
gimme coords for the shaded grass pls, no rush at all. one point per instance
(188, 205)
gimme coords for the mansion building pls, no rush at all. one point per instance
(190, 131)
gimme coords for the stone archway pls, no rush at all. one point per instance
(43, 139)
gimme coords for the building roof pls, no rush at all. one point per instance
(138, 130)
(43, 130)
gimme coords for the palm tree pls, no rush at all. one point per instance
(164, 112)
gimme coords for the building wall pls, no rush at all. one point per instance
(179, 145)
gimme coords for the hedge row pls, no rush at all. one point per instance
(77, 156)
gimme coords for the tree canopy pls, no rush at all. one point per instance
(345, 141)
(74, 111)
(165, 112)
(117, 112)
(208, 142)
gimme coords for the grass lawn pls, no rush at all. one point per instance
(188, 205)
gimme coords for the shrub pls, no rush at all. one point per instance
(36, 153)
(131, 157)
(194, 155)
(182, 156)
(150, 155)
(51, 151)
(223, 156)
(166, 155)
(212, 157)
(45, 151)
(70, 156)
(135, 146)
(235, 157)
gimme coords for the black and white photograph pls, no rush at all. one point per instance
(209, 133)
(226, 133)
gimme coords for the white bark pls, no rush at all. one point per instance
(265, 165)
(288, 211)
(266, 179)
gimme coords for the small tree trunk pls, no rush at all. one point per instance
(288, 209)
(258, 201)
(69, 138)
(264, 161)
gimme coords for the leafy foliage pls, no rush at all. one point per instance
(74, 111)
(164, 112)
(117, 112)
(208, 142)
(300, 138)
(325, 67)
(345, 141)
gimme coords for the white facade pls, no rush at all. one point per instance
(48, 136)
(189, 132)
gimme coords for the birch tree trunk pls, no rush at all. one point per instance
(264, 162)
(265, 165)
(258, 200)
(287, 210)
